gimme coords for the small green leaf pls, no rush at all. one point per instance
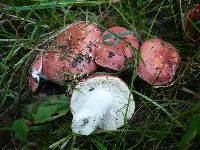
(48, 109)
(21, 129)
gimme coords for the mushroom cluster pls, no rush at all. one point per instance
(102, 101)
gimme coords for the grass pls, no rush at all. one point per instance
(163, 116)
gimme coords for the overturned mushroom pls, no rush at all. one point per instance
(115, 52)
(192, 25)
(100, 102)
(71, 53)
(158, 62)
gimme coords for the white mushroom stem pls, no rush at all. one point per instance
(37, 72)
(92, 111)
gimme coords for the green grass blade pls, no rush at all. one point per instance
(157, 105)
(56, 4)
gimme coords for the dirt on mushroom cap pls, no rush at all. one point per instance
(158, 62)
(116, 56)
(72, 52)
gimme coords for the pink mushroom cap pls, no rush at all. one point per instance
(72, 52)
(158, 62)
(116, 56)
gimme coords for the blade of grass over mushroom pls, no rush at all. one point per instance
(108, 36)
(157, 105)
(116, 36)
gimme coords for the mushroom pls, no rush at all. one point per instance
(115, 52)
(190, 21)
(71, 53)
(101, 101)
(158, 62)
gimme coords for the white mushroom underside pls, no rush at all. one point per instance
(102, 102)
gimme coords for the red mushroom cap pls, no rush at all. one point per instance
(72, 52)
(194, 13)
(116, 56)
(191, 33)
(158, 62)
